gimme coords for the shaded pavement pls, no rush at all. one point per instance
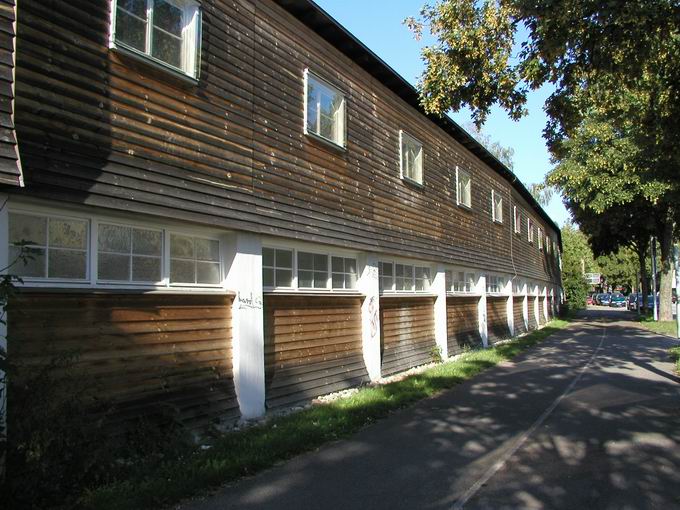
(590, 418)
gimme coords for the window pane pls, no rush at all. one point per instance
(207, 249)
(305, 278)
(130, 30)
(32, 229)
(312, 107)
(386, 269)
(182, 271)
(146, 269)
(351, 266)
(114, 238)
(68, 233)
(167, 48)
(284, 278)
(320, 280)
(208, 272)
(34, 265)
(399, 270)
(181, 246)
(321, 263)
(136, 7)
(268, 277)
(351, 281)
(113, 267)
(338, 281)
(268, 257)
(147, 242)
(284, 258)
(67, 264)
(338, 264)
(305, 260)
(168, 17)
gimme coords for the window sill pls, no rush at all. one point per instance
(407, 293)
(312, 292)
(498, 222)
(156, 64)
(412, 182)
(80, 288)
(463, 294)
(329, 144)
(465, 207)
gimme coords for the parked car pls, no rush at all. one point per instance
(617, 300)
(589, 299)
(605, 299)
(596, 298)
(633, 301)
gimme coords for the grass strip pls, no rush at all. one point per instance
(675, 354)
(248, 451)
(669, 328)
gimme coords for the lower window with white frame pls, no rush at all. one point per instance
(494, 284)
(59, 249)
(401, 277)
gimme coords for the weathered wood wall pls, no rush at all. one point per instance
(312, 347)
(143, 354)
(497, 317)
(100, 128)
(518, 315)
(406, 332)
(462, 323)
(532, 313)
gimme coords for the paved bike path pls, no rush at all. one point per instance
(590, 418)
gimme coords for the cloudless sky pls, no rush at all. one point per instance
(379, 25)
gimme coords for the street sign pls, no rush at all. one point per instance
(593, 278)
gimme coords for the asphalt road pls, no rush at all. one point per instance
(589, 419)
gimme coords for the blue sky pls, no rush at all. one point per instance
(378, 24)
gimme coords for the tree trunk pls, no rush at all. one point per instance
(666, 289)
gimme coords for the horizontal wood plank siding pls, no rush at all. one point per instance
(145, 354)
(532, 313)
(312, 347)
(462, 323)
(406, 332)
(102, 129)
(518, 315)
(497, 317)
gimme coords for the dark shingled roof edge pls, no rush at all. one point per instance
(309, 13)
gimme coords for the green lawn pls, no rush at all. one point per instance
(669, 328)
(251, 450)
(675, 354)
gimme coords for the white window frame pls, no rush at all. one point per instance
(413, 265)
(459, 175)
(530, 230)
(323, 84)
(344, 273)
(296, 248)
(494, 281)
(517, 215)
(293, 272)
(56, 216)
(539, 235)
(313, 253)
(496, 207)
(191, 38)
(92, 281)
(167, 240)
(419, 162)
(465, 286)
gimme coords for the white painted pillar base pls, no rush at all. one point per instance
(525, 306)
(369, 285)
(438, 287)
(537, 306)
(481, 311)
(545, 304)
(510, 310)
(244, 263)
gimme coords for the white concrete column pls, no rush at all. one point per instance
(510, 310)
(244, 276)
(537, 304)
(481, 310)
(438, 287)
(4, 262)
(369, 286)
(545, 304)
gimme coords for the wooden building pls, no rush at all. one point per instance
(234, 205)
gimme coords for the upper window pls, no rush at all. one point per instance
(52, 247)
(540, 238)
(463, 188)
(129, 254)
(518, 220)
(530, 230)
(166, 31)
(324, 110)
(410, 158)
(496, 207)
